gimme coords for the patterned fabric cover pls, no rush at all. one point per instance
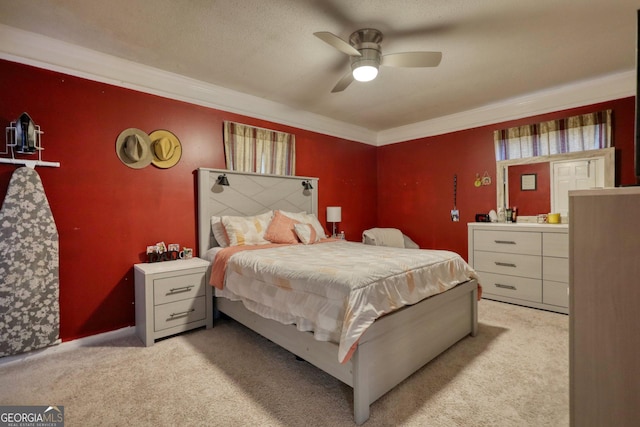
(336, 289)
(29, 311)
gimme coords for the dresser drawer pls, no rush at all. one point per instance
(556, 269)
(508, 263)
(510, 286)
(555, 244)
(179, 313)
(515, 242)
(555, 293)
(177, 288)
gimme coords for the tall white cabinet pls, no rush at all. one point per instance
(604, 324)
(525, 264)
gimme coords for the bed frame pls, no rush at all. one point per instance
(393, 348)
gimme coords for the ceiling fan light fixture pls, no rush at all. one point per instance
(365, 73)
(365, 68)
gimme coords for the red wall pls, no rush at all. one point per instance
(107, 213)
(415, 178)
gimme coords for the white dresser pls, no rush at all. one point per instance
(526, 264)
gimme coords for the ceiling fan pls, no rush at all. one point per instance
(366, 56)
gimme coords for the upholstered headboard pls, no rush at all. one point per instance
(249, 194)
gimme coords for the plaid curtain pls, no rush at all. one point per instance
(252, 149)
(569, 135)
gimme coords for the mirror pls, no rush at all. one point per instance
(532, 185)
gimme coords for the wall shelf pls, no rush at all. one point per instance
(11, 147)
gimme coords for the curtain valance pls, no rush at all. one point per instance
(253, 149)
(577, 133)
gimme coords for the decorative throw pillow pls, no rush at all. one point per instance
(247, 230)
(311, 219)
(306, 233)
(219, 232)
(306, 218)
(280, 229)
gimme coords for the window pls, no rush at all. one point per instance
(252, 149)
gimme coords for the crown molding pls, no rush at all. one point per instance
(607, 88)
(33, 49)
(44, 52)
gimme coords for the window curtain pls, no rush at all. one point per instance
(252, 149)
(569, 135)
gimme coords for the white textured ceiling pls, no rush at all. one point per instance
(492, 49)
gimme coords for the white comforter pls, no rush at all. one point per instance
(338, 289)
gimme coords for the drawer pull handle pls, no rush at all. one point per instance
(182, 313)
(500, 285)
(505, 264)
(181, 289)
(505, 242)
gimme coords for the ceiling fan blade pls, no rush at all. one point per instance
(343, 83)
(337, 42)
(412, 59)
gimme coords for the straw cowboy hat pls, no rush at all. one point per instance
(133, 147)
(166, 148)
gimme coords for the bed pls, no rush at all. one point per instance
(389, 350)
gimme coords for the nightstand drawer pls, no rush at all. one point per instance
(507, 263)
(178, 288)
(515, 242)
(511, 286)
(179, 313)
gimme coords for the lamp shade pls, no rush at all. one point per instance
(334, 214)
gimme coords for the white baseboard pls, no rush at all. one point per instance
(68, 346)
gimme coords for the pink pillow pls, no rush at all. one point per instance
(281, 230)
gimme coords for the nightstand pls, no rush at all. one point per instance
(172, 297)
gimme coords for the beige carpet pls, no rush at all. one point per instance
(514, 373)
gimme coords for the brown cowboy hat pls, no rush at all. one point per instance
(133, 147)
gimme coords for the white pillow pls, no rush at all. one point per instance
(218, 231)
(298, 216)
(247, 230)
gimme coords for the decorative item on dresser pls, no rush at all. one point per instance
(522, 264)
(604, 325)
(171, 297)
